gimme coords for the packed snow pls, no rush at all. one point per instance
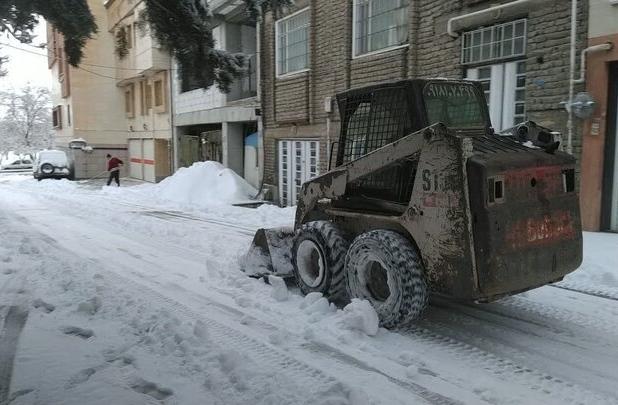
(132, 296)
(204, 184)
(55, 157)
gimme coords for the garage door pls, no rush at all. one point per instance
(135, 159)
(142, 161)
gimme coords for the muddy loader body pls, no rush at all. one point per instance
(424, 196)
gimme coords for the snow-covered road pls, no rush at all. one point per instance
(115, 297)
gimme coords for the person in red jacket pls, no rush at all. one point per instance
(113, 167)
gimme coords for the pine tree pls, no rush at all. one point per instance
(71, 17)
(184, 27)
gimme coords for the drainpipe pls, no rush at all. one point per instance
(328, 146)
(569, 147)
(260, 124)
(172, 97)
(608, 46)
(497, 11)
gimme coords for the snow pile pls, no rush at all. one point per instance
(52, 186)
(360, 315)
(315, 304)
(280, 290)
(357, 316)
(205, 184)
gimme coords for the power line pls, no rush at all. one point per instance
(79, 67)
(97, 74)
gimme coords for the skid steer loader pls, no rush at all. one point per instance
(425, 197)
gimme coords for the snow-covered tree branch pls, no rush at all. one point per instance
(26, 124)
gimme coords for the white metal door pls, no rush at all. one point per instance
(505, 91)
(298, 162)
(148, 160)
(136, 168)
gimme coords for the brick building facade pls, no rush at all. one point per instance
(599, 161)
(520, 52)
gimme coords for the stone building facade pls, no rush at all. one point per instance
(519, 50)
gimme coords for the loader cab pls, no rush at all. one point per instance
(375, 116)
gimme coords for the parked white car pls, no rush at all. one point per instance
(19, 164)
(52, 164)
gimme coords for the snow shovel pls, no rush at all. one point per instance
(95, 177)
(270, 253)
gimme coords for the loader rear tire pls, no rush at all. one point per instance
(318, 257)
(385, 268)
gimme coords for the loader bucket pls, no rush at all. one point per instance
(270, 253)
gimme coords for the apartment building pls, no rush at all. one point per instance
(212, 125)
(519, 50)
(599, 186)
(143, 77)
(85, 100)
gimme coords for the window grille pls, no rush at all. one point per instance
(496, 42)
(372, 120)
(293, 43)
(520, 94)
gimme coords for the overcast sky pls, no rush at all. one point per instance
(25, 67)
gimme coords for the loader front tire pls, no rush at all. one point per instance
(318, 257)
(385, 268)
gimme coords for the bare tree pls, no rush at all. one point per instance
(26, 125)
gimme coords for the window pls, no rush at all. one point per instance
(129, 101)
(129, 36)
(379, 24)
(504, 85)
(57, 117)
(520, 93)
(69, 115)
(158, 93)
(496, 42)
(292, 35)
(143, 101)
(454, 105)
(148, 95)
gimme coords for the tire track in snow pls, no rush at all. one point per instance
(507, 370)
(13, 325)
(553, 313)
(572, 352)
(587, 290)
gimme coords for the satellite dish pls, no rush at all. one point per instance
(583, 105)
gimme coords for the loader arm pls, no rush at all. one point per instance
(333, 184)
